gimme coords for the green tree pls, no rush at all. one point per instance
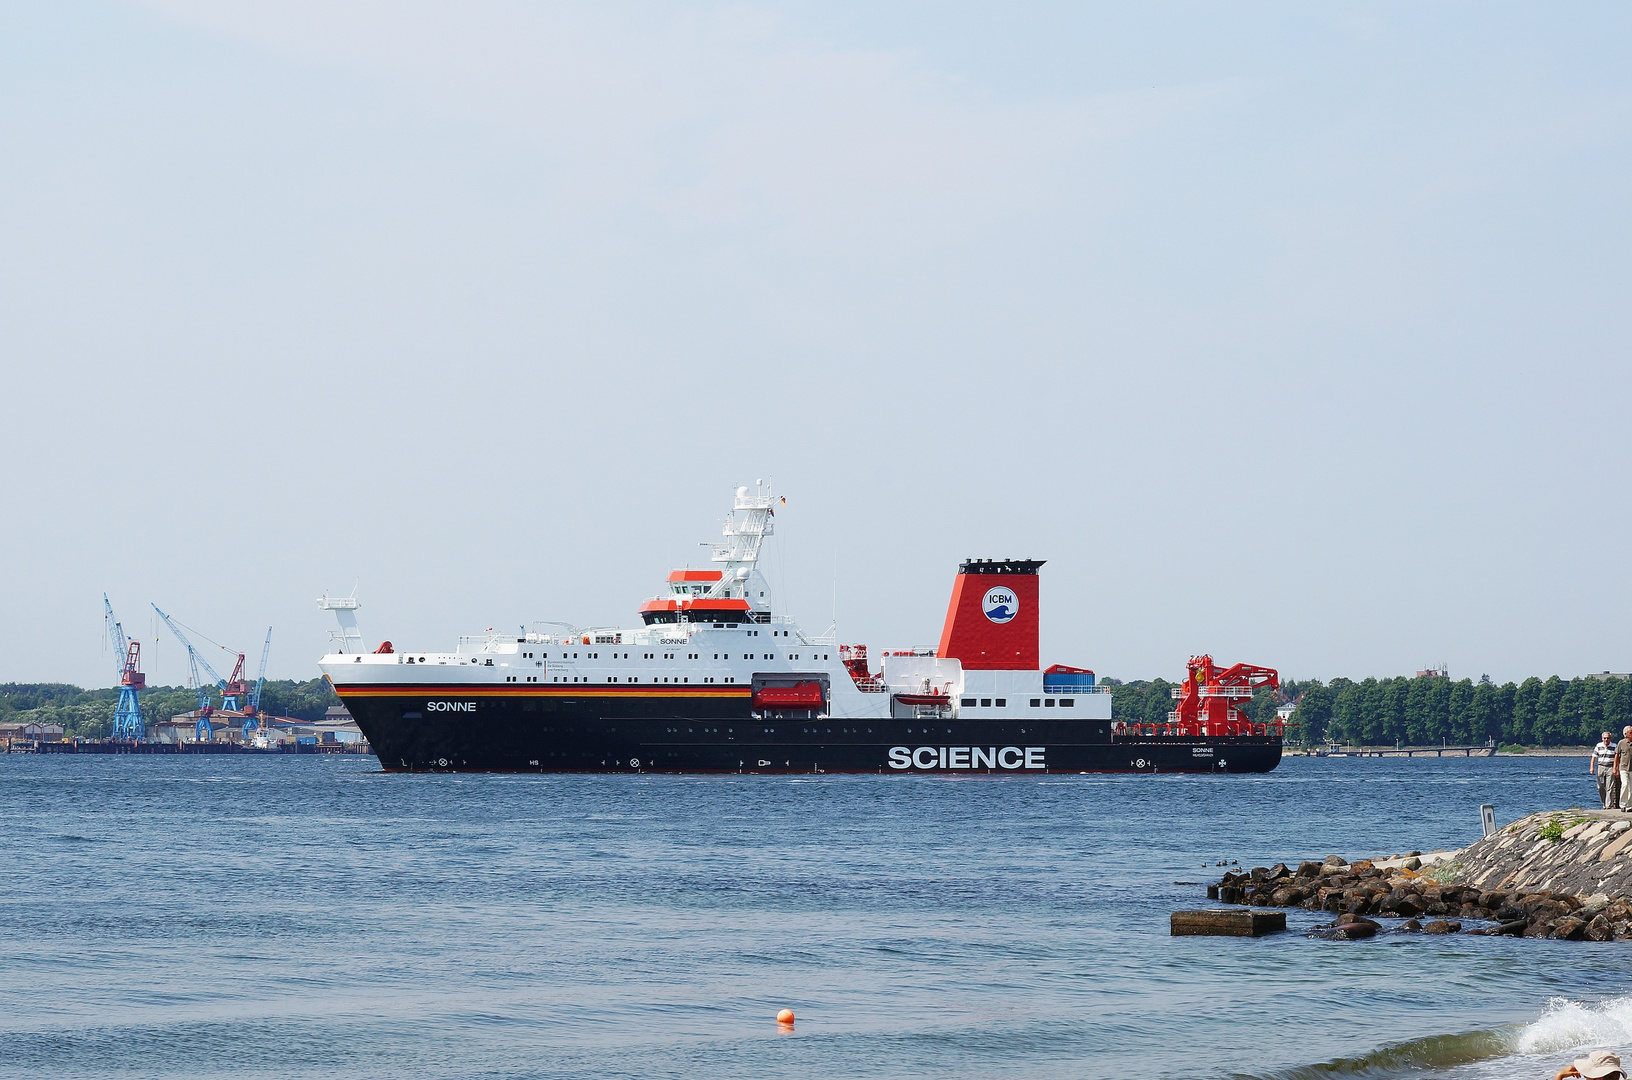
(1617, 705)
(1461, 707)
(1522, 727)
(1550, 729)
(1374, 713)
(1263, 706)
(1314, 712)
(1158, 701)
(1348, 719)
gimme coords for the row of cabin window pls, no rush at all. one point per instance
(613, 679)
(689, 656)
(667, 656)
(1003, 703)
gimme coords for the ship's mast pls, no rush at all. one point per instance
(349, 639)
(750, 521)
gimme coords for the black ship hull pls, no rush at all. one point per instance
(721, 735)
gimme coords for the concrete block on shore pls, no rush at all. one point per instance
(1227, 922)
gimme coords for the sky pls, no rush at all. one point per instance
(1296, 334)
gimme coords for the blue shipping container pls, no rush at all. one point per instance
(1060, 681)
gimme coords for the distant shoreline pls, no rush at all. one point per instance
(1396, 752)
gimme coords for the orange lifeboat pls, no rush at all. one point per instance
(805, 695)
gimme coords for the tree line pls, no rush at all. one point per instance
(88, 714)
(1424, 710)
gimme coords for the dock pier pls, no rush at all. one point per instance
(1395, 751)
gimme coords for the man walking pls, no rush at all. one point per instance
(1602, 766)
(1623, 766)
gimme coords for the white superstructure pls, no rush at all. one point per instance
(712, 632)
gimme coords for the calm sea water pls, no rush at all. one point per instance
(312, 917)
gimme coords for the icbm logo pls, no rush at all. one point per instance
(1000, 605)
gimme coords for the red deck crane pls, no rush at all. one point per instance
(1210, 694)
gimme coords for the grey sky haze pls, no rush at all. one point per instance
(1292, 333)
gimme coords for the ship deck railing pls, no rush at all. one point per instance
(1241, 692)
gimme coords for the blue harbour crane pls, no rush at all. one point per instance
(252, 712)
(204, 731)
(127, 716)
(236, 693)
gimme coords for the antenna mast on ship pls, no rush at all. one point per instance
(349, 638)
(751, 520)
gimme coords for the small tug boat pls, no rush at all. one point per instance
(714, 679)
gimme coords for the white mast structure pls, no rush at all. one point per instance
(350, 638)
(750, 521)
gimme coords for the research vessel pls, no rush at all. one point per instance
(715, 679)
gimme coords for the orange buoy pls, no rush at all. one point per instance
(785, 1017)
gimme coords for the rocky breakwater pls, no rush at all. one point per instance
(1564, 875)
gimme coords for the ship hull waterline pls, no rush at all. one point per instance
(580, 735)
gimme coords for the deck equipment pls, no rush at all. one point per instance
(1210, 694)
